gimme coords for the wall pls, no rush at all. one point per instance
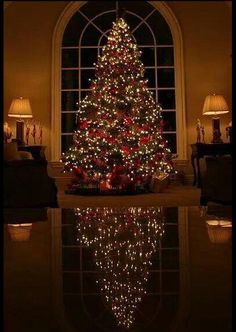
(206, 28)
(28, 29)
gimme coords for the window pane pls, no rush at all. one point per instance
(166, 78)
(66, 142)
(150, 75)
(171, 215)
(153, 285)
(131, 20)
(160, 28)
(165, 56)
(166, 99)
(70, 58)
(144, 36)
(69, 100)
(69, 79)
(171, 138)
(68, 122)
(103, 42)
(71, 259)
(170, 259)
(68, 217)
(83, 94)
(148, 56)
(170, 281)
(86, 74)
(88, 57)
(90, 9)
(89, 283)
(73, 30)
(88, 262)
(104, 22)
(71, 283)
(171, 238)
(91, 36)
(142, 8)
(169, 119)
(69, 235)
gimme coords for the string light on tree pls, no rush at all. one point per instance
(119, 137)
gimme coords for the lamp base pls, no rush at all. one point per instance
(216, 131)
(20, 132)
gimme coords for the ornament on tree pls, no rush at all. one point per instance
(118, 121)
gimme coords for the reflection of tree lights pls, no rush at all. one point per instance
(219, 231)
(20, 232)
(124, 241)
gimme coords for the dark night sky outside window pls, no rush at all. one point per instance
(83, 38)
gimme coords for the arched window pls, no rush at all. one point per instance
(85, 32)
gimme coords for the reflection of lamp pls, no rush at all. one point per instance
(219, 231)
(215, 105)
(20, 232)
(20, 108)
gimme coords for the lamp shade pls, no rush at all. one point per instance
(20, 108)
(219, 231)
(20, 232)
(215, 104)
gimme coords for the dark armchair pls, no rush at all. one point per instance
(27, 184)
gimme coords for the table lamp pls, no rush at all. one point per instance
(215, 105)
(20, 108)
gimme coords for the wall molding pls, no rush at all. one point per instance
(170, 18)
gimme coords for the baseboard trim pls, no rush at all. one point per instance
(55, 164)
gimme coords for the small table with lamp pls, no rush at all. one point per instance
(213, 105)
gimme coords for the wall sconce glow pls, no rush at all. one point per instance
(219, 231)
(20, 232)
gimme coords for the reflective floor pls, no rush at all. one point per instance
(118, 269)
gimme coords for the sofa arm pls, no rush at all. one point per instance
(27, 184)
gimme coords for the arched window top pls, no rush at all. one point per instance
(148, 26)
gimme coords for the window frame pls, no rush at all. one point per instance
(171, 20)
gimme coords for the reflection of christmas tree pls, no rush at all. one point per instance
(124, 241)
(119, 135)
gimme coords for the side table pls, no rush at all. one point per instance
(37, 151)
(199, 150)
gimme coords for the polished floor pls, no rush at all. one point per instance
(173, 195)
(117, 269)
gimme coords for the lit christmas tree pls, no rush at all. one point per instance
(118, 142)
(124, 241)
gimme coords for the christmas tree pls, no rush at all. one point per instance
(124, 241)
(118, 141)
